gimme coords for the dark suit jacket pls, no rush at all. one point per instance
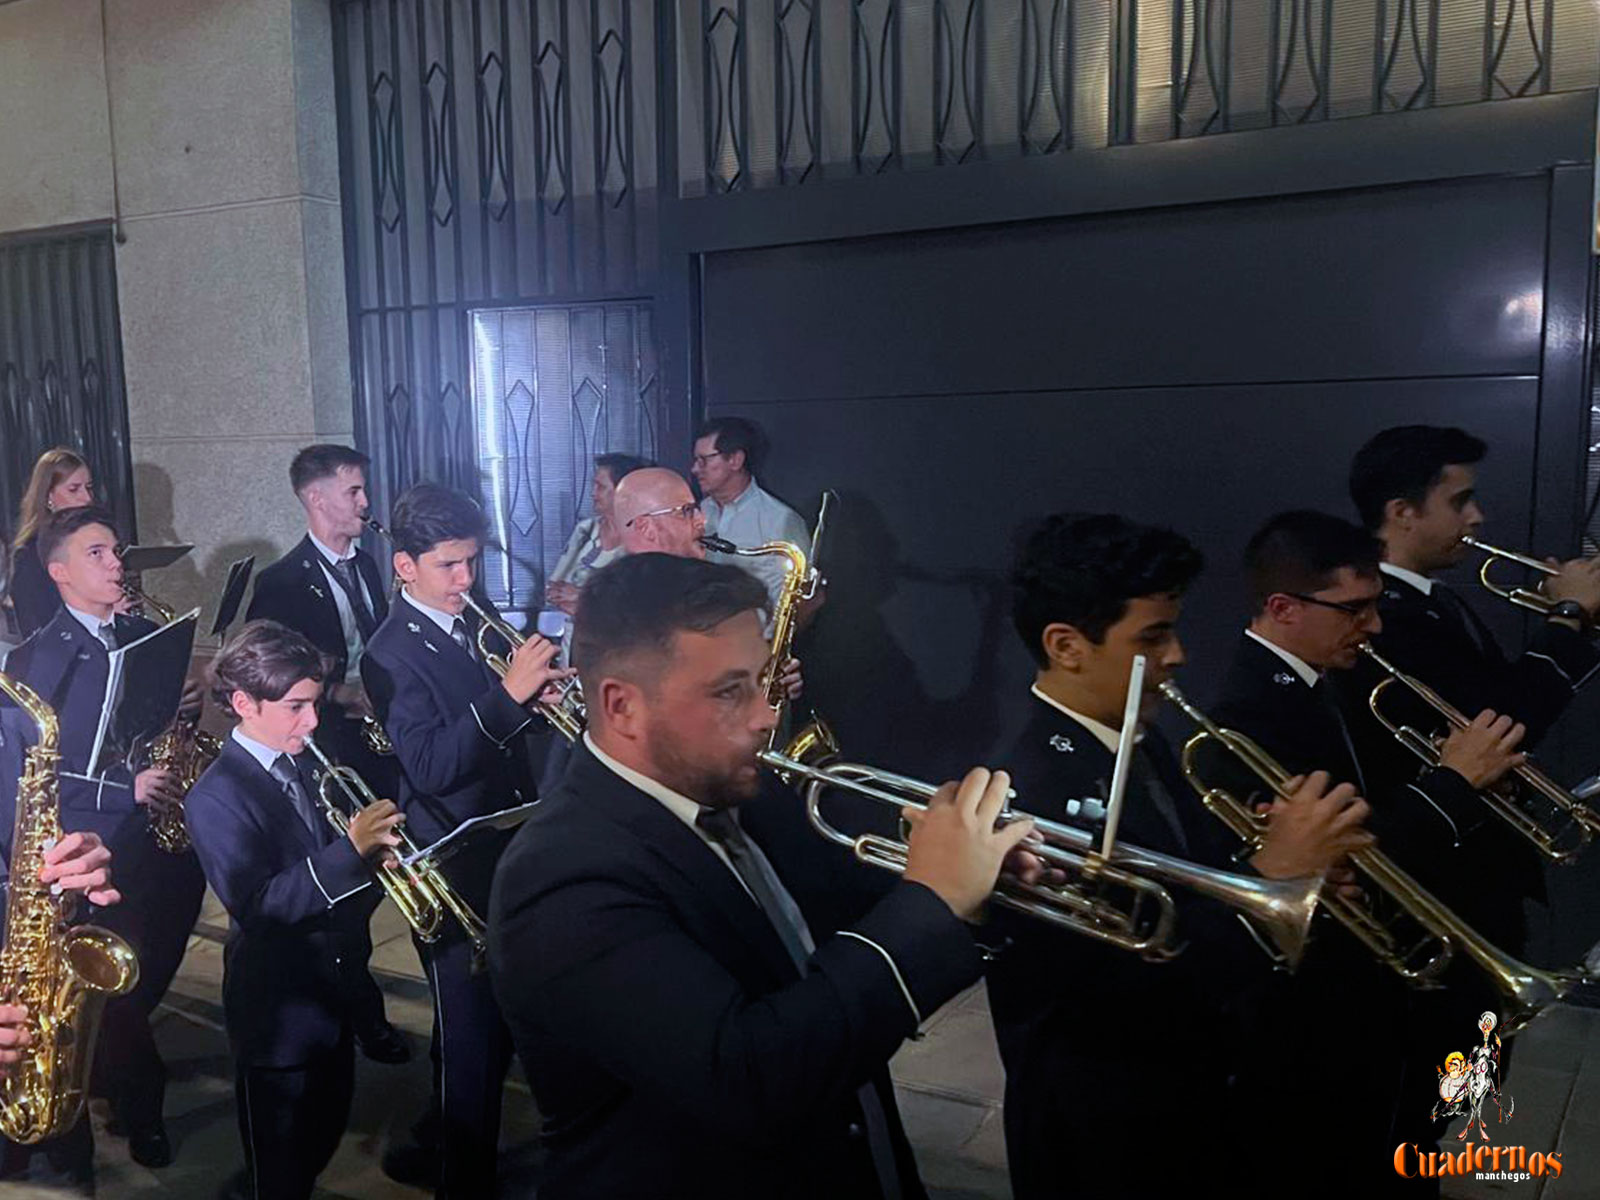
(67, 667)
(1086, 1029)
(457, 734)
(669, 1042)
(34, 597)
(295, 591)
(297, 900)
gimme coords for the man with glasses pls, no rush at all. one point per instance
(728, 451)
(1316, 586)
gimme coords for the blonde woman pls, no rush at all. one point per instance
(61, 479)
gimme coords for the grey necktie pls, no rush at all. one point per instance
(108, 635)
(345, 572)
(283, 770)
(1144, 771)
(785, 918)
(458, 634)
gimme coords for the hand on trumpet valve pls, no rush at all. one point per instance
(1485, 751)
(955, 850)
(13, 1032)
(158, 789)
(1313, 829)
(80, 862)
(1576, 580)
(530, 669)
(372, 830)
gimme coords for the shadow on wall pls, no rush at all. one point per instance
(866, 683)
(196, 579)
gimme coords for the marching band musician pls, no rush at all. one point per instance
(1315, 584)
(595, 541)
(299, 901)
(457, 731)
(683, 1033)
(1132, 1036)
(327, 588)
(66, 662)
(79, 863)
(61, 480)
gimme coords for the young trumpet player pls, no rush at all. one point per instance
(1117, 1068)
(298, 897)
(457, 729)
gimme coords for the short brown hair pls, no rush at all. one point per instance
(60, 526)
(264, 660)
(322, 461)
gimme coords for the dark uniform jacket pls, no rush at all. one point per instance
(295, 591)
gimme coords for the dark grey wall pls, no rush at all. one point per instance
(1201, 367)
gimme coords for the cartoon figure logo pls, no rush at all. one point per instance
(1465, 1088)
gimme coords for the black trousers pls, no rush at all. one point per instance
(161, 897)
(341, 737)
(64, 1164)
(291, 1120)
(471, 1054)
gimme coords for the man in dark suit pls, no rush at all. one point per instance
(66, 662)
(683, 1033)
(1315, 583)
(1117, 1068)
(458, 732)
(327, 588)
(298, 897)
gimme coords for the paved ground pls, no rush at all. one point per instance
(950, 1088)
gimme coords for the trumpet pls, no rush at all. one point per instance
(1532, 599)
(1145, 923)
(1528, 990)
(566, 711)
(1552, 819)
(418, 888)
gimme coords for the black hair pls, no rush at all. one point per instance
(322, 461)
(639, 603)
(264, 660)
(429, 513)
(1083, 570)
(1404, 463)
(61, 525)
(1299, 552)
(619, 466)
(734, 434)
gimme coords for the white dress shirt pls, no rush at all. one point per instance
(1103, 733)
(91, 623)
(341, 601)
(752, 517)
(1421, 582)
(445, 621)
(1308, 674)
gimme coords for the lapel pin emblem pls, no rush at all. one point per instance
(431, 646)
(1061, 742)
(317, 592)
(1284, 678)
(413, 627)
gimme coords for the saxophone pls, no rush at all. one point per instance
(814, 742)
(182, 748)
(63, 975)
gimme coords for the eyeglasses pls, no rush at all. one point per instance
(687, 511)
(1354, 609)
(701, 460)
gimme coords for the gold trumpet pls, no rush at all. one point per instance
(1532, 599)
(1144, 923)
(411, 891)
(566, 711)
(1552, 819)
(1419, 960)
(417, 886)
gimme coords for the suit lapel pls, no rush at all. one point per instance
(368, 570)
(316, 590)
(271, 808)
(712, 887)
(465, 674)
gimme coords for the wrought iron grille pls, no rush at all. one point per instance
(553, 386)
(494, 152)
(784, 93)
(61, 363)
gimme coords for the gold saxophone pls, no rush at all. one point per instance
(63, 975)
(813, 742)
(183, 748)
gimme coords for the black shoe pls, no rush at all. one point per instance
(385, 1044)
(413, 1164)
(149, 1147)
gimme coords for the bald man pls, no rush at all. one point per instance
(655, 512)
